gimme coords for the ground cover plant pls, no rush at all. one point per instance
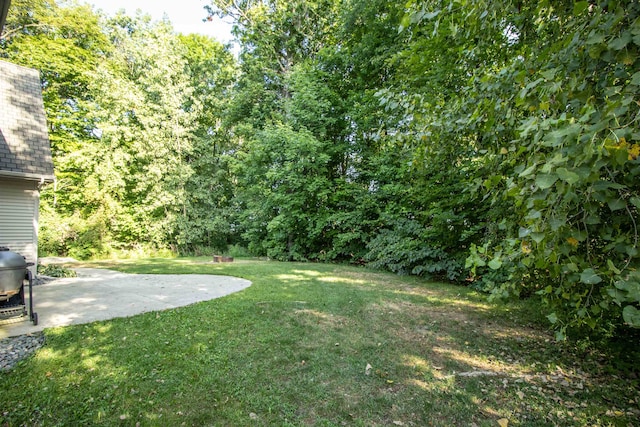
(319, 344)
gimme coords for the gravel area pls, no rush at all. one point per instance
(14, 349)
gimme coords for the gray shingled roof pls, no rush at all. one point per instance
(24, 140)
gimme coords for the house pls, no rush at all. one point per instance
(25, 155)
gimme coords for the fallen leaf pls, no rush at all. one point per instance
(503, 422)
(398, 423)
(253, 416)
(520, 395)
(367, 370)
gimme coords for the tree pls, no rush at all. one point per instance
(283, 175)
(146, 132)
(280, 106)
(210, 211)
(64, 44)
(488, 142)
(548, 123)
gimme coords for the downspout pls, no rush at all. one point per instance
(4, 10)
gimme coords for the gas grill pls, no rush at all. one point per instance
(14, 272)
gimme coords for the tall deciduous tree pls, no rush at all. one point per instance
(146, 116)
(280, 107)
(65, 44)
(209, 216)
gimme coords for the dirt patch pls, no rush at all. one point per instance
(318, 318)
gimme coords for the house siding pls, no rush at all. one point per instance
(25, 158)
(19, 202)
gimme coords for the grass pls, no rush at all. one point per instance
(317, 345)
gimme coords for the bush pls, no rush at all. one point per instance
(238, 251)
(74, 236)
(55, 271)
(405, 249)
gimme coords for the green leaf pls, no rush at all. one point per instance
(537, 237)
(432, 15)
(546, 180)
(592, 219)
(596, 51)
(528, 171)
(579, 7)
(589, 277)
(523, 232)
(631, 287)
(617, 295)
(553, 318)
(495, 263)
(620, 42)
(612, 267)
(616, 204)
(568, 176)
(549, 74)
(534, 214)
(556, 223)
(620, 156)
(565, 133)
(492, 181)
(595, 38)
(572, 267)
(404, 23)
(631, 316)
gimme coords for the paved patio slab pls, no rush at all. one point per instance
(99, 294)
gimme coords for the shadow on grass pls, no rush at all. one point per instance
(313, 345)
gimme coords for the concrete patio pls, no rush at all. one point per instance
(98, 294)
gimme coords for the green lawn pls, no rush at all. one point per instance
(313, 344)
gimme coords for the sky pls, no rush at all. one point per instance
(185, 15)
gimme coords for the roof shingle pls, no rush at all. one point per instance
(24, 138)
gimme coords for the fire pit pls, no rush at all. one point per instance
(13, 274)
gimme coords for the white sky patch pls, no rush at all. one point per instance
(185, 15)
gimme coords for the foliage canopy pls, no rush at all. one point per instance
(491, 143)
